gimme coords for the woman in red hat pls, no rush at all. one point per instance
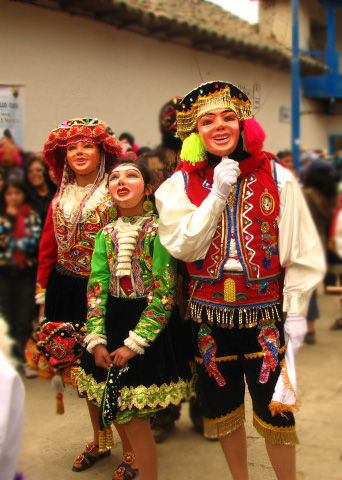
(80, 152)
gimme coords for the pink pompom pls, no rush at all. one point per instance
(253, 135)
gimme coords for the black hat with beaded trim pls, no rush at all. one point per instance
(210, 96)
(204, 99)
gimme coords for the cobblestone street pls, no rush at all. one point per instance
(51, 442)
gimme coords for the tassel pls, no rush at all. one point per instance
(60, 404)
(106, 440)
(102, 440)
(253, 136)
(58, 387)
(277, 407)
(193, 150)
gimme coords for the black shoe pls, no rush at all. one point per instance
(310, 338)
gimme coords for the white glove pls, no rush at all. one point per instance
(295, 329)
(225, 175)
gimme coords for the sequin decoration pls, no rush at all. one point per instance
(207, 347)
(111, 400)
(269, 341)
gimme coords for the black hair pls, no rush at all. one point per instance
(129, 137)
(321, 176)
(36, 158)
(283, 153)
(143, 150)
(15, 182)
(142, 167)
(145, 173)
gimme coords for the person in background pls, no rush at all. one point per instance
(12, 407)
(162, 161)
(165, 157)
(143, 150)
(2, 178)
(10, 156)
(20, 229)
(127, 138)
(320, 189)
(286, 158)
(42, 189)
(305, 160)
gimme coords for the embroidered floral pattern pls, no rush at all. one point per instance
(77, 257)
(155, 280)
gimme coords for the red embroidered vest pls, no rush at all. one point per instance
(250, 216)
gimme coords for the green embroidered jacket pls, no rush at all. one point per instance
(153, 276)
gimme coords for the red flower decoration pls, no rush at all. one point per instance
(63, 133)
(86, 131)
(73, 130)
(99, 129)
(60, 350)
(52, 136)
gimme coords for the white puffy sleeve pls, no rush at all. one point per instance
(185, 230)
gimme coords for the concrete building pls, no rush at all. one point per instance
(120, 60)
(320, 38)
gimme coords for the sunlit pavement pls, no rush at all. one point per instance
(52, 441)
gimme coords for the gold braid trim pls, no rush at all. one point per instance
(229, 358)
(139, 397)
(275, 435)
(249, 356)
(154, 396)
(87, 383)
(222, 426)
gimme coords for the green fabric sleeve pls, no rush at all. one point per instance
(157, 313)
(98, 287)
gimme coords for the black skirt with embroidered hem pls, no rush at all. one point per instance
(66, 297)
(154, 380)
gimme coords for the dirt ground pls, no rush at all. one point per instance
(52, 441)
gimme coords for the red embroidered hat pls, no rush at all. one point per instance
(80, 130)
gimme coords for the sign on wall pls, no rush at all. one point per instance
(285, 114)
(12, 112)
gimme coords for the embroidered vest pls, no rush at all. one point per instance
(250, 216)
(76, 255)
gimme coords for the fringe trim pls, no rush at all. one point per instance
(285, 376)
(229, 358)
(220, 427)
(224, 316)
(106, 440)
(275, 435)
(277, 407)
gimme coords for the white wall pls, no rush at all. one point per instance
(73, 66)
